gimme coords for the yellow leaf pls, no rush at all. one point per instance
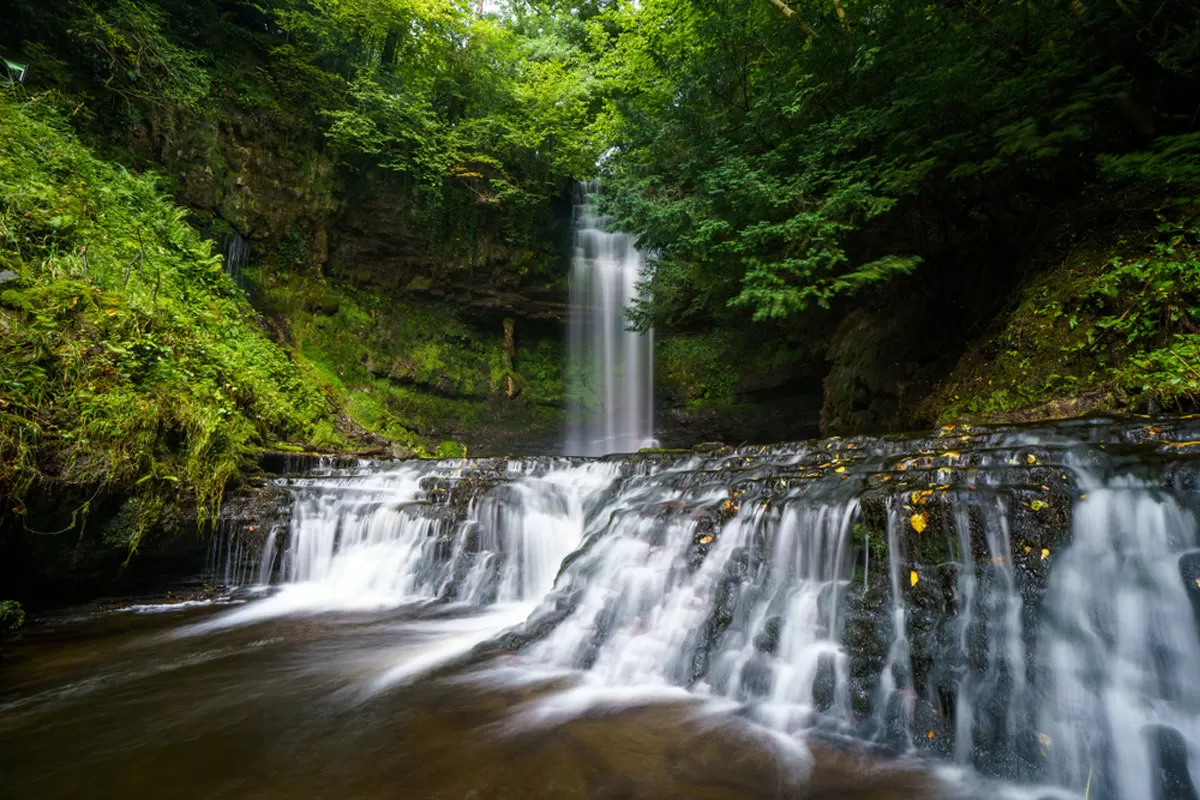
(1198, 583)
(1045, 553)
(912, 577)
(918, 522)
(840, 469)
(1038, 505)
(1031, 458)
(929, 735)
(705, 539)
(1044, 738)
(1027, 549)
(951, 454)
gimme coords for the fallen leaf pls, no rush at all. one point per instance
(951, 454)
(705, 539)
(1045, 553)
(912, 577)
(1038, 505)
(1027, 549)
(929, 735)
(840, 469)
(1031, 458)
(918, 522)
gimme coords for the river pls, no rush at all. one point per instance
(1000, 612)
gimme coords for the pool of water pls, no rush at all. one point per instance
(221, 701)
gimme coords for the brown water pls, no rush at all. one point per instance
(121, 705)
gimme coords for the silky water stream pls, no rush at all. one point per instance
(977, 613)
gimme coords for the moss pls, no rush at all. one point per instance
(700, 371)
(1091, 333)
(414, 372)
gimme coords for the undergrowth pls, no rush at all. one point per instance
(128, 359)
(1118, 322)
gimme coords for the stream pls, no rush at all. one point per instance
(993, 612)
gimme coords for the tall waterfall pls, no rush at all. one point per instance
(1023, 604)
(610, 369)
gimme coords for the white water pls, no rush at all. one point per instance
(610, 369)
(377, 540)
(679, 587)
(237, 258)
(1120, 642)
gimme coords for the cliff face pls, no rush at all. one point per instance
(441, 326)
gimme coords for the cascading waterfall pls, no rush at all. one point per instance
(1120, 648)
(237, 257)
(610, 369)
(1020, 603)
(388, 536)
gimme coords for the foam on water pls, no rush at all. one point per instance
(658, 581)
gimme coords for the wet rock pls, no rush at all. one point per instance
(758, 675)
(1189, 572)
(825, 683)
(767, 640)
(1171, 776)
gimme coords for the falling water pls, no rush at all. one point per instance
(610, 368)
(1020, 603)
(237, 257)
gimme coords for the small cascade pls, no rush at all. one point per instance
(610, 369)
(440, 530)
(1119, 646)
(236, 249)
(1022, 603)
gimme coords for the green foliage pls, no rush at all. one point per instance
(450, 449)
(778, 166)
(127, 358)
(1154, 296)
(12, 616)
(701, 370)
(1112, 322)
(128, 52)
(485, 121)
(415, 374)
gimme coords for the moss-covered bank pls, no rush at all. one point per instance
(1105, 322)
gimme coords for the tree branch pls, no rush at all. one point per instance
(787, 11)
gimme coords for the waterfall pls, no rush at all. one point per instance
(379, 537)
(237, 257)
(610, 369)
(1021, 603)
(1120, 647)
